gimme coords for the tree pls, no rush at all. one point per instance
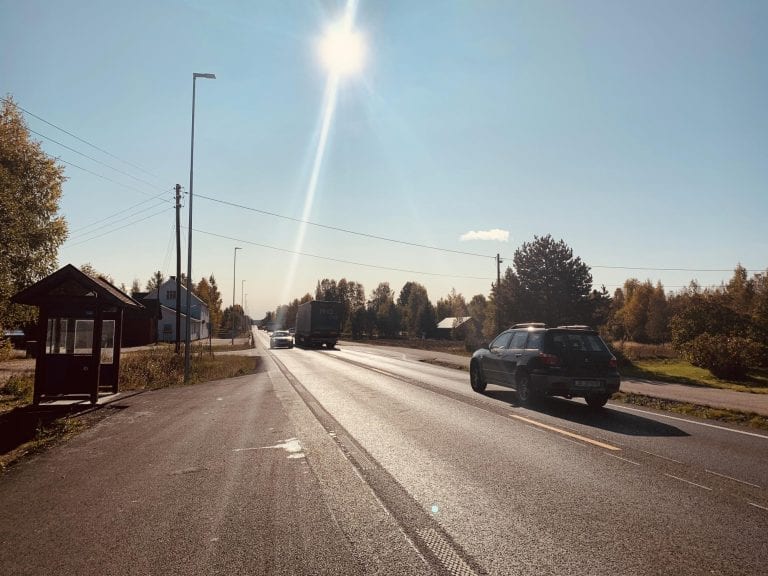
(155, 281)
(383, 312)
(214, 303)
(554, 286)
(135, 287)
(418, 312)
(87, 268)
(453, 305)
(31, 230)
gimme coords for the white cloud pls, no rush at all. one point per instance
(495, 234)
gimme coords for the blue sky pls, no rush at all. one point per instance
(635, 131)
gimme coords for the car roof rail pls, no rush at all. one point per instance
(530, 325)
(577, 327)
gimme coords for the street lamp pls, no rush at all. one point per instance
(187, 344)
(234, 292)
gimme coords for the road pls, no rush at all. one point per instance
(358, 461)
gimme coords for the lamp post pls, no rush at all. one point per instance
(234, 292)
(187, 357)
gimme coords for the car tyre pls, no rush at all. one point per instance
(597, 401)
(526, 396)
(476, 378)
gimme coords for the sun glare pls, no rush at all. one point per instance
(342, 50)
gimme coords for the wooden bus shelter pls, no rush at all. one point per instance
(79, 334)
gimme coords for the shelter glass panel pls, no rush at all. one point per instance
(107, 341)
(83, 337)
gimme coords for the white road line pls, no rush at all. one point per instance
(660, 456)
(625, 459)
(756, 505)
(732, 478)
(688, 482)
(617, 407)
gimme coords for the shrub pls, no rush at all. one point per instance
(726, 357)
(19, 386)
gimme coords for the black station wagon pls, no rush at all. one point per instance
(568, 361)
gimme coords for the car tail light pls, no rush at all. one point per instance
(549, 359)
(613, 363)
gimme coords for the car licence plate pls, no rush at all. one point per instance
(588, 384)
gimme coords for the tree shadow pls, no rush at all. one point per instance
(605, 419)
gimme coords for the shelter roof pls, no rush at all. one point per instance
(72, 284)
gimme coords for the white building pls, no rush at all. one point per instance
(200, 318)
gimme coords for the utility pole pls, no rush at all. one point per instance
(498, 285)
(178, 269)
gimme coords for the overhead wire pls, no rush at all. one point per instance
(281, 216)
(88, 233)
(91, 158)
(338, 229)
(78, 138)
(119, 228)
(339, 260)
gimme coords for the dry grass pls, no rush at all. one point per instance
(696, 410)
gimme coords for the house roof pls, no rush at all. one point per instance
(452, 322)
(70, 283)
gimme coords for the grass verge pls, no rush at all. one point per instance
(681, 372)
(749, 419)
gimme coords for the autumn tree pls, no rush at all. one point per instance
(88, 268)
(32, 229)
(135, 287)
(208, 292)
(453, 305)
(155, 281)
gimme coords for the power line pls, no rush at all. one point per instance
(345, 230)
(117, 213)
(91, 158)
(107, 178)
(240, 240)
(438, 248)
(78, 138)
(117, 229)
(116, 221)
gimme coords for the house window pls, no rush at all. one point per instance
(170, 294)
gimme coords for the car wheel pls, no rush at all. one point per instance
(596, 401)
(525, 394)
(476, 378)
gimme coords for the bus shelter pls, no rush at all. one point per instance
(79, 333)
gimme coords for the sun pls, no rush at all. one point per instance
(342, 50)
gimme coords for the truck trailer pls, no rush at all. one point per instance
(318, 322)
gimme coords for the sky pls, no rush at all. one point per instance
(637, 132)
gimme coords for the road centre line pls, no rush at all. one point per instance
(757, 505)
(688, 482)
(565, 432)
(617, 407)
(460, 398)
(732, 478)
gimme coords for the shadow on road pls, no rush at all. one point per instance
(605, 419)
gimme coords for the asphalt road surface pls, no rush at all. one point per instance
(358, 461)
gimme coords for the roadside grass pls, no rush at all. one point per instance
(26, 429)
(162, 368)
(749, 419)
(681, 372)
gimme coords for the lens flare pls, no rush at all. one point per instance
(340, 61)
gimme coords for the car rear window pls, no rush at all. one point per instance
(577, 342)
